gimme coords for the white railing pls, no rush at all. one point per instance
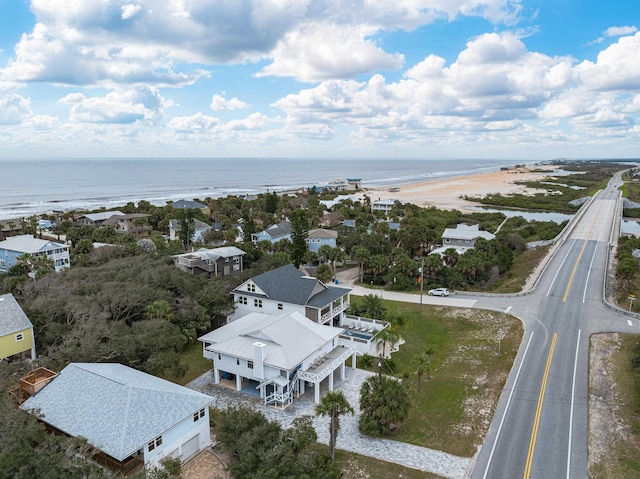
(328, 369)
(334, 311)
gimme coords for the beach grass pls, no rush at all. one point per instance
(454, 408)
(622, 459)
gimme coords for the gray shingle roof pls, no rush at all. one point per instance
(281, 229)
(290, 285)
(12, 317)
(116, 408)
(188, 204)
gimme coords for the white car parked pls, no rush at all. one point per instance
(439, 292)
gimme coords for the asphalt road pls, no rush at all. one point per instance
(540, 426)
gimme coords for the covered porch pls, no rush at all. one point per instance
(324, 367)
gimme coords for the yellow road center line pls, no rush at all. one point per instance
(536, 420)
(573, 272)
(575, 266)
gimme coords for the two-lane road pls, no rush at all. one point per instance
(540, 426)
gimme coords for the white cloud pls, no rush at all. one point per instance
(119, 106)
(220, 102)
(107, 42)
(255, 121)
(193, 124)
(620, 31)
(13, 108)
(617, 67)
(130, 10)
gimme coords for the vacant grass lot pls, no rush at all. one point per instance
(453, 410)
(615, 407)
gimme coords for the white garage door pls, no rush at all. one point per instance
(190, 447)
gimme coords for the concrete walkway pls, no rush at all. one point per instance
(349, 437)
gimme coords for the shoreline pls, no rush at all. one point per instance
(446, 193)
(441, 192)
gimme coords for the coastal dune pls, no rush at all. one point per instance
(446, 193)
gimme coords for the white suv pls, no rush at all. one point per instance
(439, 292)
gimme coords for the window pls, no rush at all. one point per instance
(219, 357)
(250, 364)
(19, 337)
(251, 288)
(257, 303)
(198, 414)
(243, 299)
(2, 263)
(237, 362)
(280, 306)
(155, 443)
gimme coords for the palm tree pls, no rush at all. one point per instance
(25, 261)
(361, 255)
(384, 404)
(333, 404)
(374, 306)
(428, 353)
(421, 367)
(387, 336)
(160, 309)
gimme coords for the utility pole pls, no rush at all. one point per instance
(421, 280)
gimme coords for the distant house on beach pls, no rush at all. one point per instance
(199, 229)
(461, 238)
(15, 246)
(319, 237)
(132, 223)
(189, 205)
(274, 233)
(97, 219)
(216, 262)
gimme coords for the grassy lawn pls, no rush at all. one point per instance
(356, 466)
(454, 408)
(622, 459)
(191, 357)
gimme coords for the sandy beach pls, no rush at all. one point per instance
(446, 193)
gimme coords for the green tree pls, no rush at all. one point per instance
(323, 273)
(299, 235)
(362, 256)
(160, 310)
(384, 404)
(187, 227)
(333, 404)
(374, 306)
(421, 366)
(387, 336)
(332, 255)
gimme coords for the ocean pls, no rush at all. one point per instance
(45, 185)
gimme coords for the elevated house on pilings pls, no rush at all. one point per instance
(276, 357)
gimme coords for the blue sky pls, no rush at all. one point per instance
(518, 79)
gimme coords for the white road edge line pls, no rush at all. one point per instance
(560, 267)
(573, 395)
(584, 293)
(629, 322)
(508, 309)
(506, 408)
